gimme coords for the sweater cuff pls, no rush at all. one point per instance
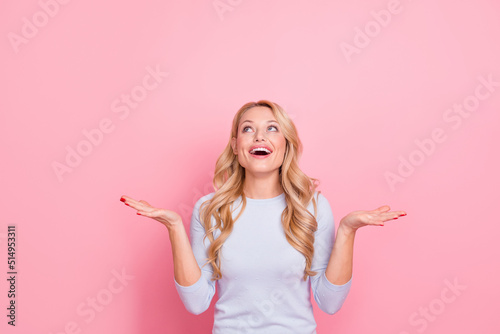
(191, 288)
(336, 287)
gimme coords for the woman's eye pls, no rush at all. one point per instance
(273, 126)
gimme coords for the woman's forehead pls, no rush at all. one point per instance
(258, 114)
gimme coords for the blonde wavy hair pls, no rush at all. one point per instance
(298, 223)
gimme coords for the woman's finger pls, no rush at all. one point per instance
(124, 198)
(133, 204)
(151, 214)
(394, 215)
(138, 205)
(128, 200)
(397, 214)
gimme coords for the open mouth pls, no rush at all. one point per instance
(260, 151)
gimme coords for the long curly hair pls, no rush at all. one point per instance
(298, 223)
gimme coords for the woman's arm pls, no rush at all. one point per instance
(186, 269)
(329, 297)
(339, 269)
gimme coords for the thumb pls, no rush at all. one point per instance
(383, 208)
(143, 201)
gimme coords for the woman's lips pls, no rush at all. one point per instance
(262, 156)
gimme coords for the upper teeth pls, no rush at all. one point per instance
(260, 149)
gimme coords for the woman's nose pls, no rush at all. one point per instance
(259, 136)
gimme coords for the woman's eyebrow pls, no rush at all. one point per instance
(249, 121)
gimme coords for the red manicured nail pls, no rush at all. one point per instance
(139, 214)
(122, 199)
(127, 204)
(396, 218)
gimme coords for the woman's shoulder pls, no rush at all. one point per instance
(203, 199)
(320, 198)
(322, 204)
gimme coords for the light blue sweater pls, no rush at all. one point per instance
(261, 289)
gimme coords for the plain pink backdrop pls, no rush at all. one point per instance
(362, 114)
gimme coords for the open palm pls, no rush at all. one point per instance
(166, 217)
(377, 217)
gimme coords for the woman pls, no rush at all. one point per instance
(266, 236)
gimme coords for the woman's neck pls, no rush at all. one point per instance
(262, 187)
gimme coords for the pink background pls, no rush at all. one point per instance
(360, 115)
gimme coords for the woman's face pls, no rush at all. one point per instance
(259, 128)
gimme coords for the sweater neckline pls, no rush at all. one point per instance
(266, 200)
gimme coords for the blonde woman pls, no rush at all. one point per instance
(265, 239)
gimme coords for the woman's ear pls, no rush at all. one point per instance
(233, 145)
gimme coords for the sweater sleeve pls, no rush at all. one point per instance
(329, 297)
(197, 297)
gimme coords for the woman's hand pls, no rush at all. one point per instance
(377, 217)
(168, 218)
